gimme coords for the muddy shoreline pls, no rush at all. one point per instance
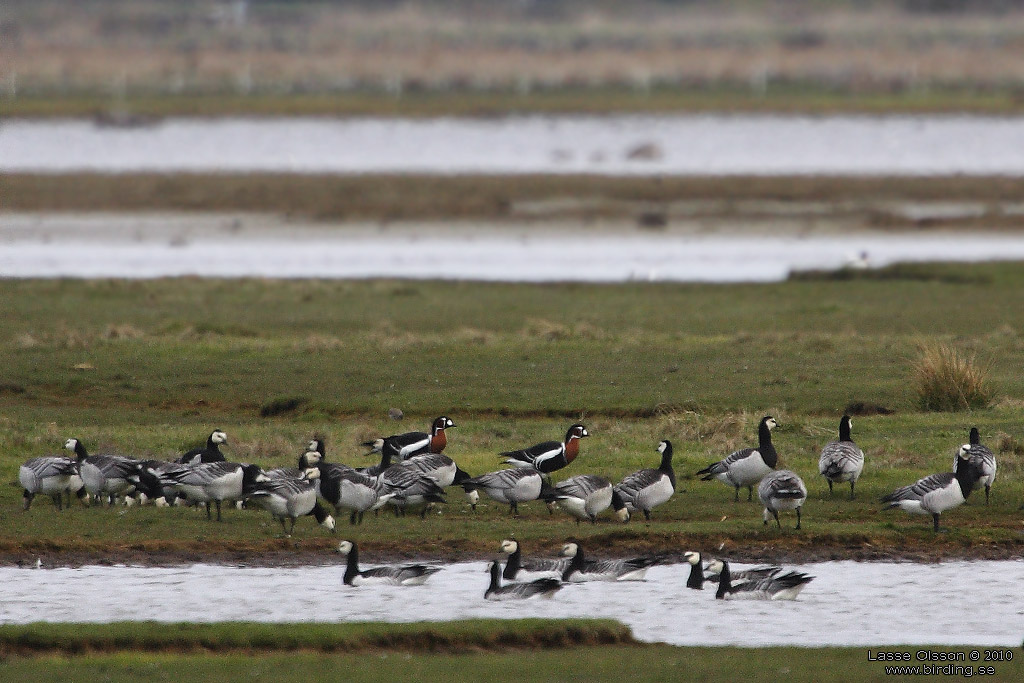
(321, 551)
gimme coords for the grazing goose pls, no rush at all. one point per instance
(585, 496)
(549, 456)
(405, 446)
(518, 591)
(516, 569)
(782, 490)
(582, 569)
(399, 575)
(51, 475)
(936, 493)
(345, 488)
(208, 453)
(438, 467)
(841, 460)
(213, 482)
(514, 486)
(646, 489)
(104, 476)
(746, 467)
(289, 498)
(777, 586)
(412, 487)
(983, 460)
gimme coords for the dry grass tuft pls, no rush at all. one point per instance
(947, 380)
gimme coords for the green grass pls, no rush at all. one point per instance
(170, 360)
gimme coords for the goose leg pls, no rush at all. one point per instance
(829, 486)
(935, 517)
(26, 500)
(352, 518)
(798, 518)
(750, 493)
(852, 482)
(514, 509)
(737, 494)
(987, 489)
(647, 515)
(218, 510)
(283, 529)
(208, 516)
(775, 514)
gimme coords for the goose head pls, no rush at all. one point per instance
(577, 431)
(442, 423)
(218, 437)
(570, 550)
(508, 546)
(692, 557)
(345, 547)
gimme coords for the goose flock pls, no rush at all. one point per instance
(413, 474)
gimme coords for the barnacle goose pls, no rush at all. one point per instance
(208, 453)
(438, 467)
(405, 446)
(695, 579)
(746, 467)
(842, 460)
(646, 489)
(398, 575)
(518, 591)
(582, 569)
(585, 496)
(345, 488)
(781, 490)
(778, 586)
(102, 475)
(51, 475)
(936, 493)
(289, 498)
(512, 486)
(213, 482)
(517, 569)
(983, 460)
(742, 575)
(549, 456)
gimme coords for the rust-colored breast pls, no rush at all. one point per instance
(438, 441)
(572, 449)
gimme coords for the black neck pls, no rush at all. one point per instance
(967, 475)
(666, 465)
(80, 451)
(975, 437)
(319, 513)
(844, 429)
(765, 447)
(575, 565)
(513, 563)
(495, 577)
(696, 578)
(352, 565)
(724, 581)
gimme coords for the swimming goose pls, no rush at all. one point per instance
(289, 498)
(742, 575)
(516, 569)
(936, 493)
(399, 575)
(213, 482)
(208, 453)
(983, 460)
(518, 591)
(582, 569)
(695, 579)
(780, 586)
(102, 475)
(549, 456)
(51, 475)
(648, 488)
(513, 486)
(841, 460)
(585, 496)
(746, 467)
(782, 490)
(405, 446)
(345, 488)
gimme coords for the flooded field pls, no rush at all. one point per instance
(848, 603)
(607, 145)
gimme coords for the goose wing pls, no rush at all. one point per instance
(781, 484)
(408, 444)
(918, 489)
(502, 479)
(726, 463)
(840, 458)
(526, 457)
(580, 486)
(51, 466)
(200, 475)
(520, 591)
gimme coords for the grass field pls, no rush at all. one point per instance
(150, 367)
(370, 652)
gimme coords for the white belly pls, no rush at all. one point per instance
(748, 471)
(943, 499)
